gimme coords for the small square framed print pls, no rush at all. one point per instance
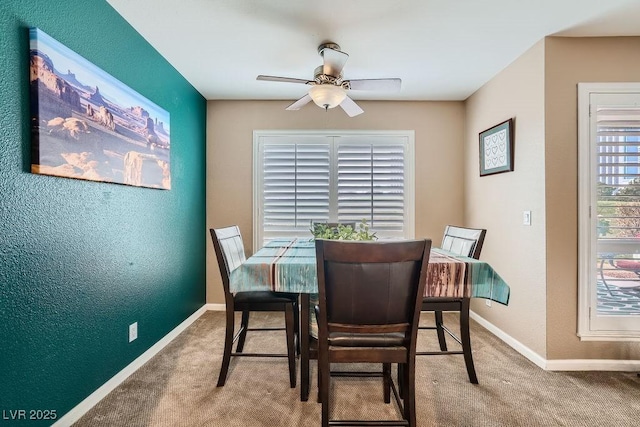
(496, 149)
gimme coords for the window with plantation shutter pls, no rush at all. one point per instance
(305, 177)
(609, 148)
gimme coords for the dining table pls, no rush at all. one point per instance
(289, 265)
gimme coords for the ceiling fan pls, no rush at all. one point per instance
(328, 88)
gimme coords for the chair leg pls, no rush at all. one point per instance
(291, 351)
(409, 395)
(325, 368)
(244, 325)
(386, 381)
(441, 337)
(228, 344)
(319, 379)
(401, 385)
(296, 323)
(604, 282)
(465, 337)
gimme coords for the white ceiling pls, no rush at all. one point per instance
(441, 49)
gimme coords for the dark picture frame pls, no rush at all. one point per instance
(496, 149)
(86, 124)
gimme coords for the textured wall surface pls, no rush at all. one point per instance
(81, 260)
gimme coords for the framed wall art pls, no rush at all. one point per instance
(496, 149)
(85, 124)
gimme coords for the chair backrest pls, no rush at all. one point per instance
(229, 248)
(463, 241)
(371, 287)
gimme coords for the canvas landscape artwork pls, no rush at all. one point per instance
(85, 124)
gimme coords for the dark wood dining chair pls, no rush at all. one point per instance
(229, 248)
(370, 296)
(467, 242)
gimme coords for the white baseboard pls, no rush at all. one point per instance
(215, 307)
(557, 364)
(83, 407)
(593, 365)
(510, 341)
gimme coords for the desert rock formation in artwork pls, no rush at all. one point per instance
(144, 169)
(106, 118)
(68, 128)
(150, 132)
(41, 72)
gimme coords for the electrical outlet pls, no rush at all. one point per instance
(526, 218)
(488, 302)
(133, 331)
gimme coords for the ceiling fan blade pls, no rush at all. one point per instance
(350, 107)
(376, 84)
(299, 103)
(334, 61)
(282, 79)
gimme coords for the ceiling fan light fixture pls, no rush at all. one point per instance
(327, 95)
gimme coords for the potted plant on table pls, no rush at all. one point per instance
(342, 232)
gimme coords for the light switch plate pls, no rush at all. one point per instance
(526, 218)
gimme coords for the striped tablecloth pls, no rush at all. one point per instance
(290, 266)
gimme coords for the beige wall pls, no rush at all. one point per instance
(439, 132)
(569, 61)
(540, 263)
(496, 202)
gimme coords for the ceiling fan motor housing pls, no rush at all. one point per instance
(321, 78)
(327, 45)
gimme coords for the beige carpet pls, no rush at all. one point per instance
(178, 388)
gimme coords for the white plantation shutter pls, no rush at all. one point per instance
(371, 184)
(300, 177)
(295, 187)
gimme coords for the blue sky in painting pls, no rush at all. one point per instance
(64, 59)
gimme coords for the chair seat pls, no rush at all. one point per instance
(341, 339)
(264, 297)
(628, 264)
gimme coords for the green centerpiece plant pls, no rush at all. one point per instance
(342, 232)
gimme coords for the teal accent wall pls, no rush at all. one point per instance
(81, 260)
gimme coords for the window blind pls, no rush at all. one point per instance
(618, 145)
(296, 187)
(371, 185)
(308, 177)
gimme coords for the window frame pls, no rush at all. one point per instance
(587, 215)
(409, 170)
